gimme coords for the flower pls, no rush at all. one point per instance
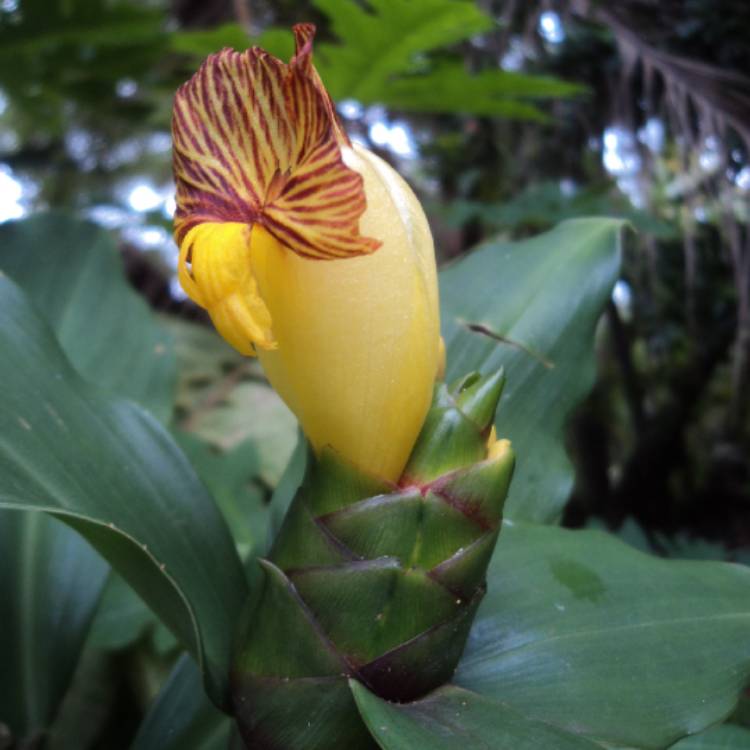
(308, 251)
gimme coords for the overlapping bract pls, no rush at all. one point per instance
(376, 582)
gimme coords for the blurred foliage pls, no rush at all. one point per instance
(546, 203)
(503, 130)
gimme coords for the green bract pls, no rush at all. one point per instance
(372, 581)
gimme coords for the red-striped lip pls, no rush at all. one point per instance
(257, 140)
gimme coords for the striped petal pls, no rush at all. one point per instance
(257, 141)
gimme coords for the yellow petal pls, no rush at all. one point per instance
(358, 340)
(215, 270)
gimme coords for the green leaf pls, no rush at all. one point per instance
(389, 40)
(493, 93)
(383, 40)
(230, 479)
(121, 617)
(545, 203)
(72, 271)
(725, 737)
(56, 55)
(382, 57)
(203, 42)
(249, 412)
(452, 718)
(50, 583)
(537, 303)
(224, 400)
(583, 632)
(181, 717)
(109, 470)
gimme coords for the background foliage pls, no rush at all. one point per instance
(507, 118)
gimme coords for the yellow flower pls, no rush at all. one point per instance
(308, 251)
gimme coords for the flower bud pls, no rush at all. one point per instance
(308, 251)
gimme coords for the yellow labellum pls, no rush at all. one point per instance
(220, 279)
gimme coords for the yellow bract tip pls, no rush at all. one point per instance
(496, 448)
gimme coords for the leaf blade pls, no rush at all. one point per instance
(452, 717)
(109, 470)
(586, 633)
(73, 273)
(51, 581)
(545, 294)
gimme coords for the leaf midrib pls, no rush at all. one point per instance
(27, 601)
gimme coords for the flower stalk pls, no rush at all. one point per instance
(314, 255)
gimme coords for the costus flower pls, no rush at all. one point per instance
(308, 251)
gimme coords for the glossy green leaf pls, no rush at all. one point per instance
(224, 400)
(583, 632)
(230, 477)
(121, 617)
(537, 303)
(109, 470)
(73, 273)
(546, 203)
(724, 737)
(382, 40)
(494, 92)
(50, 583)
(181, 717)
(203, 42)
(381, 56)
(452, 718)
(58, 57)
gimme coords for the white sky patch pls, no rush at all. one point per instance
(144, 197)
(78, 145)
(126, 88)
(176, 289)
(568, 187)
(396, 137)
(170, 205)
(147, 237)
(11, 195)
(379, 133)
(350, 109)
(401, 140)
(550, 27)
(622, 296)
(620, 156)
(514, 56)
(742, 180)
(652, 135)
(701, 213)
(159, 143)
(710, 157)
(107, 216)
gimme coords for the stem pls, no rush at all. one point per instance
(633, 391)
(741, 350)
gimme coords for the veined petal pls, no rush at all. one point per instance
(257, 141)
(215, 269)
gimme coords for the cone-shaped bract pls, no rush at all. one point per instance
(374, 581)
